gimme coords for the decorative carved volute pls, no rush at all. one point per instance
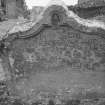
(55, 15)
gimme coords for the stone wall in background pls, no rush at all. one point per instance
(89, 8)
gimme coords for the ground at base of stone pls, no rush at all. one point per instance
(51, 102)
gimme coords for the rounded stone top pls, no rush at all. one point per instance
(90, 3)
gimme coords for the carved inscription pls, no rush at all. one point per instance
(62, 47)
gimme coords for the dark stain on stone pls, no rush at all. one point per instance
(73, 102)
(51, 102)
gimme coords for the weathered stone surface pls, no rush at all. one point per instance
(6, 26)
(60, 57)
(90, 3)
(89, 8)
(14, 9)
(89, 12)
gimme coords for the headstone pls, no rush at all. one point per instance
(60, 57)
(11, 8)
(15, 8)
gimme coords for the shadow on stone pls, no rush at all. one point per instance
(73, 102)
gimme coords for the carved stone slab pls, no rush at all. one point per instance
(59, 56)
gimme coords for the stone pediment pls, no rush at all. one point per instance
(60, 56)
(67, 17)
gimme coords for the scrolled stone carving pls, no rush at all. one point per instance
(55, 18)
